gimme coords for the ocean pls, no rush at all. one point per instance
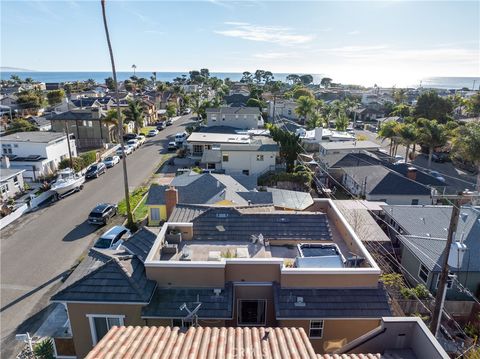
(429, 82)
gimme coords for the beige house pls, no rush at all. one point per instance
(252, 266)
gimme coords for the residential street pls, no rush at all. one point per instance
(40, 247)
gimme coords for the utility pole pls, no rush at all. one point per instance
(457, 201)
(68, 144)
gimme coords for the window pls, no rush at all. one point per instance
(155, 214)
(225, 158)
(316, 329)
(414, 202)
(182, 323)
(15, 181)
(210, 166)
(208, 147)
(423, 273)
(251, 312)
(259, 157)
(3, 189)
(246, 172)
(449, 280)
(197, 149)
(101, 324)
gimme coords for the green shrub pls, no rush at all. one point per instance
(89, 158)
(420, 292)
(271, 178)
(197, 170)
(392, 280)
(78, 164)
(44, 349)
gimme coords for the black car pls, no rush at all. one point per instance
(160, 126)
(95, 170)
(102, 213)
(439, 157)
(129, 136)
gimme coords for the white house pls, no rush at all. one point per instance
(283, 108)
(11, 180)
(190, 88)
(331, 152)
(233, 153)
(238, 117)
(38, 153)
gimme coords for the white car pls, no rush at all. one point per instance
(111, 161)
(152, 133)
(172, 146)
(128, 150)
(133, 143)
(113, 238)
(141, 139)
(438, 176)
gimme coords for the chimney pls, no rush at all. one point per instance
(5, 162)
(412, 173)
(171, 199)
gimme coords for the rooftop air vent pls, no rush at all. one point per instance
(299, 302)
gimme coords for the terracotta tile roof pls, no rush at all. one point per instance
(349, 356)
(204, 342)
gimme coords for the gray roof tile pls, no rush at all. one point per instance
(167, 301)
(331, 303)
(140, 243)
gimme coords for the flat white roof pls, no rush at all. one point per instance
(218, 137)
(349, 145)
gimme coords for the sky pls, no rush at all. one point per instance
(392, 41)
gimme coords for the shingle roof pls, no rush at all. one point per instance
(6, 173)
(331, 303)
(429, 221)
(235, 110)
(107, 277)
(257, 197)
(184, 213)
(232, 224)
(203, 343)
(156, 194)
(140, 243)
(379, 180)
(166, 302)
(84, 102)
(429, 250)
(74, 115)
(291, 199)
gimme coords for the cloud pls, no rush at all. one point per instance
(275, 55)
(353, 32)
(274, 34)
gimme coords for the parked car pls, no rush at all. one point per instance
(128, 150)
(133, 143)
(152, 133)
(102, 213)
(172, 146)
(160, 126)
(129, 136)
(438, 176)
(186, 111)
(113, 238)
(180, 137)
(95, 170)
(169, 122)
(111, 161)
(140, 138)
(439, 157)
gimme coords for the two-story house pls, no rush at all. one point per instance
(11, 180)
(87, 126)
(38, 153)
(244, 118)
(238, 266)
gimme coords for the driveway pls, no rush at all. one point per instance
(38, 249)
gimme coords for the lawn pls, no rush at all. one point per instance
(147, 128)
(135, 197)
(141, 211)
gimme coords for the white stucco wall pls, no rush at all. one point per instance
(238, 121)
(239, 161)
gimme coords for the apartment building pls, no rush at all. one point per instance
(249, 266)
(244, 118)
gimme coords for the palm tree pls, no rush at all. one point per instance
(431, 134)
(134, 67)
(387, 131)
(135, 114)
(119, 117)
(408, 136)
(196, 104)
(111, 118)
(305, 106)
(466, 144)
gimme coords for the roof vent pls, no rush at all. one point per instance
(299, 302)
(217, 291)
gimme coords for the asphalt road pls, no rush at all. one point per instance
(40, 247)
